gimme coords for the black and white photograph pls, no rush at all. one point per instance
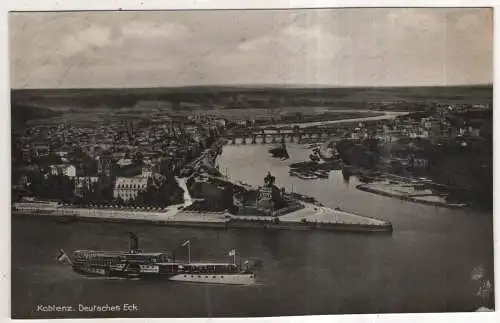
(251, 163)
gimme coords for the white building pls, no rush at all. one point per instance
(241, 122)
(127, 188)
(124, 162)
(220, 122)
(147, 171)
(64, 170)
(426, 123)
(61, 153)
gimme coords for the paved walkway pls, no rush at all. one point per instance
(175, 213)
(313, 213)
(188, 201)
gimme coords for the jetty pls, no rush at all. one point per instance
(406, 192)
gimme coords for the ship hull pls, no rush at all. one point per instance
(223, 279)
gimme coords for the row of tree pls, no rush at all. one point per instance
(58, 187)
(366, 155)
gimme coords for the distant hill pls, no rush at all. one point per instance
(247, 96)
(23, 113)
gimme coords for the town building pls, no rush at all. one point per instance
(63, 170)
(83, 184)
(127, 188)
(104, 166)
(26, 155)
(124, 162)
(61, 152)
(147, 171)
(41, 150)
(23, 181)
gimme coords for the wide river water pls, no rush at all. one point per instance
(426, 264)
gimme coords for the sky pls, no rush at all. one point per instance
(324, 47)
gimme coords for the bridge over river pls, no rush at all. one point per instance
(278, 135)
(297, 132)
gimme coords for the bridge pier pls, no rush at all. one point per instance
(279, 135)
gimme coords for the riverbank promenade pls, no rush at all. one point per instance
(325, 215)
(310, 216)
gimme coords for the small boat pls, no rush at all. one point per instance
(279, 152)
(365, 179)
(302, 174)
(321, 173)
(307, 176)
(157, 265)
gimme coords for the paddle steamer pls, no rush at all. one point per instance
(135, 263)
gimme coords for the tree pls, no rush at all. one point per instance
(50, 159)
(269, 179)
(227, 197)
(138, 158)
(106, 193)
(140, 199)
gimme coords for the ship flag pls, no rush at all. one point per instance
(63, 257)
(188, 245)
(232, 252)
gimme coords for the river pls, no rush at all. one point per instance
(384, 116)
(424, 266)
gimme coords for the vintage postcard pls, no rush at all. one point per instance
(251, 163)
